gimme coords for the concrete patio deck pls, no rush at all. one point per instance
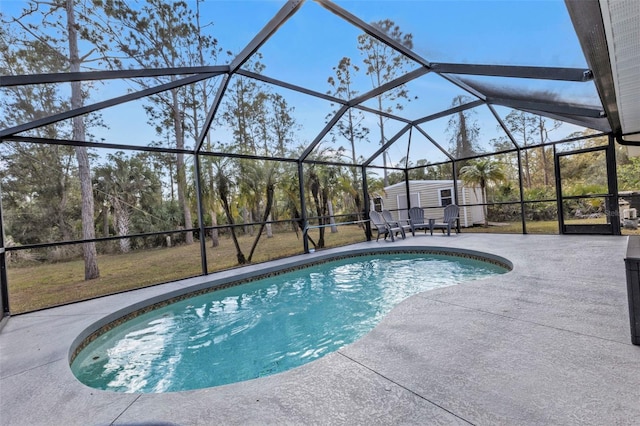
(546, 344)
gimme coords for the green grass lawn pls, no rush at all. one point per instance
(37, 285)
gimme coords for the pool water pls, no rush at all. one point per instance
(263, 327)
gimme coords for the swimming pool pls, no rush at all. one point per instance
(265, 326)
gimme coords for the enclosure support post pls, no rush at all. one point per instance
(522, 207)
(4, 287)
(203, 243)
(406, 186)
(454, 176)
(556, 168)
(367, 203)
(613, 210)
(303, 207)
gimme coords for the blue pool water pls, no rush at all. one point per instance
(263, 327)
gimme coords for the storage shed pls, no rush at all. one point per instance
(433, 196)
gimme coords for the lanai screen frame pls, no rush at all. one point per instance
(589, 117)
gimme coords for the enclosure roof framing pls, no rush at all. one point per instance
(105, 104)
(608, 31)
(389, 86)
(449, 111)
(600, 28)
(541, 73)
(386, 145)
(373, 32)
(21, 80)
(280, 18)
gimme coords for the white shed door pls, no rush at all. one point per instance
(403, 208)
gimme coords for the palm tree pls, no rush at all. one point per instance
(321, 180)
(224, 185)
(482, 172)
(128, 184)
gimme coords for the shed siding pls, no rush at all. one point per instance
(428, 192)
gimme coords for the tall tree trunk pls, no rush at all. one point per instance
(324, 198)
(245, 220)
(297, 224)
(269, 228)
(315, 192)
(385, 176)
(545, 166)
(544, 151)
(205, 107)
(122, 224)
(61, 216)
(527, 170)
(89, 251)
(332, 220)
(223, 189)
(215, 242)
(105, 220)
(180, 166)
(172, 183)
(267, 212)
(239, 254)
(359, 209)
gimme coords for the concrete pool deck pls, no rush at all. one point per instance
(547, 343)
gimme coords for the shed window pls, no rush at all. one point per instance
(446, 197)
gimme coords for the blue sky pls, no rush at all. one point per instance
(513, 32)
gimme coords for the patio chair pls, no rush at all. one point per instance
(404, 224)
(449, 220)
(383, 227)
(416, 220)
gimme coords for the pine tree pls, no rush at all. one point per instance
(463, 130)
(385, 64)
(52, 30)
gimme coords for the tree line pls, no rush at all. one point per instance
(54, 192)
